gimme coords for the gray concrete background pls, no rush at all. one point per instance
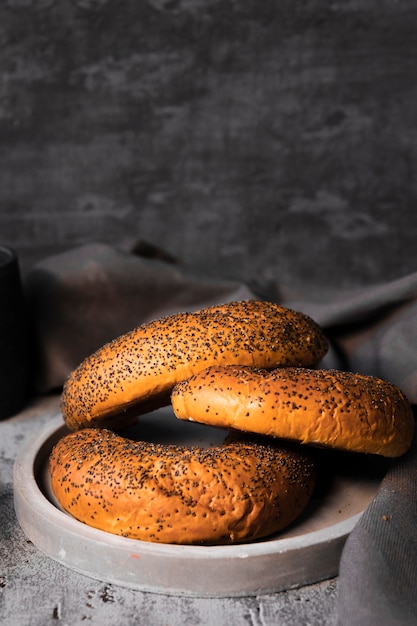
(263, 141)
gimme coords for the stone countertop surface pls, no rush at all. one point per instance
(37, 591)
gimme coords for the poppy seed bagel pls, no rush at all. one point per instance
(241, 491)
(135, 373)
(333, 408)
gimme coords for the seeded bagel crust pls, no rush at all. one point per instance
(331, 408)
(243, 491)
(136, 372)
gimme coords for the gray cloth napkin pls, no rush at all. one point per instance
(378, 568)
(374, 331)
(84, 297)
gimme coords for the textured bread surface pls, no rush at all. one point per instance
(241, 491)
(332, 408)
(136, 372)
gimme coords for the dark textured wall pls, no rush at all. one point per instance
(272, 140)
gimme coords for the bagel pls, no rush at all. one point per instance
(242, 491)
(135, 373)
(332, 408)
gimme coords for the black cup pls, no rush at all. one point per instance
(14, 350)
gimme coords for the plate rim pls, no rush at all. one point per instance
(28, 496)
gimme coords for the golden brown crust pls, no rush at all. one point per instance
(172, 494)
(322, 407)
(138, 370)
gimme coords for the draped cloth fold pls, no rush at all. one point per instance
(378, 567)
(82, 298)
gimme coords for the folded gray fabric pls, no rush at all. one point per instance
(374, 330)
(84, 297)
(361, 304)
(378, 568)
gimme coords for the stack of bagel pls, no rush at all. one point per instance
(249, 367)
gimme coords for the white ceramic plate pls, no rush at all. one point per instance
(307, 552)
